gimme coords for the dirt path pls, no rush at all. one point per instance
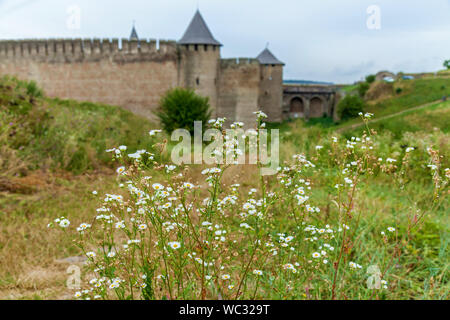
(357, 125)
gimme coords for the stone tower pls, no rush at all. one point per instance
(271, 85)
(200, 60)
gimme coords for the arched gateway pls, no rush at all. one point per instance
(302, 100)
(297, 107)
(316, 107)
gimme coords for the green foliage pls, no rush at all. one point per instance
(363, 87)
(432, 118)
(383, 199)
(350, 88)
(447, 64)
(65, 134)
(350, 107)
(427, 239)
(179, 108)
(148, 291)
(415, 92)
(370, 78)
(398, 90)
(387, 193)
(33, 90)
(324, 122)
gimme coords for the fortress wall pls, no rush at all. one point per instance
(135, 74)
(271, 92)
(239, 89)
(128, 75)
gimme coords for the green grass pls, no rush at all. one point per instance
(350, 88)
(65, 134)
(434, 117)
(73, 136)
(414, 93)
(444, 72)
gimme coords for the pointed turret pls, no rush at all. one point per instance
(200, 54)
(198, 33)
(134, 35)
(271, 86)
(267, 57)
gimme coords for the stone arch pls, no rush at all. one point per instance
(296, 107)
(316, 107)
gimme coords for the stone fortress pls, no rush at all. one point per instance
(136, 73)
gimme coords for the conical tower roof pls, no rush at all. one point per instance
(134, 35)
(267, 57)
(198, 32)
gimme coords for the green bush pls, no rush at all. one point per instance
(350, 107)
(29, 88)
(370, 78)
(447, 64)
(179, 108)
(363, 87)
(33, 90)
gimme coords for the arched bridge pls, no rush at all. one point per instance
(302, 100)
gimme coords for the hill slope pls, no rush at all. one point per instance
(37, 132)
(427, 117)
(383, 99)
(35, 260)
(407, 94)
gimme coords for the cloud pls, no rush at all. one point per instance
(355, 70)
(323, 40)
(12, 8)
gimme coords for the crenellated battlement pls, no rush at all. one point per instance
(135, 73)
(19, 49)
(238, 62)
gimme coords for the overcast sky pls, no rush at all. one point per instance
(322, 40)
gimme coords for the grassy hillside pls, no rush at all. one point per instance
(37, 132)
(67, 136)
(435, 117)
(414, 93)
(384, 99)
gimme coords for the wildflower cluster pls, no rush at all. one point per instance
(170, 235)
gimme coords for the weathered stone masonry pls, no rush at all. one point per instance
(95, 70)
(136, 73)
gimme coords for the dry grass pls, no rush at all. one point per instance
(34, 271)
(32, 257)
(379, 91)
